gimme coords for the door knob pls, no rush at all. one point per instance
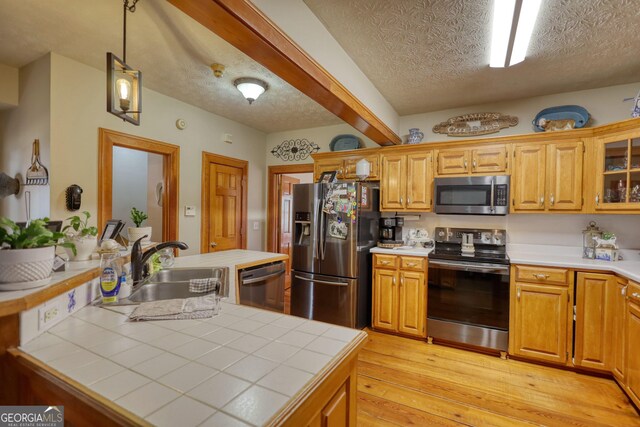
(213, 244)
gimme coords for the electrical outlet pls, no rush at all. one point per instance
(50, 313)
(189, 211)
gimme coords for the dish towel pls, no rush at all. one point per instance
(177, 309)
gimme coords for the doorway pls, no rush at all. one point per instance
(142, 173)
(224, 203)
(280, 212)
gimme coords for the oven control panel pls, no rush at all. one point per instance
(494, 237)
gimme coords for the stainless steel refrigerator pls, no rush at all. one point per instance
(335, 226)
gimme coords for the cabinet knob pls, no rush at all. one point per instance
(552, 200)
(474, 164)
(411, 264)
(408, 200)
(465, 164)
(384, 262)
(394, 280)
(541, 200)
(518, 292)
(401, 281)
(541, 276)
(598, 199)
(401, 204)
(213, 244)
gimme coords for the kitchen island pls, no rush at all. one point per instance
(245, 366)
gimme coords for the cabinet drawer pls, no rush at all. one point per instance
(533, 274)
(385, 261)
(412, 263)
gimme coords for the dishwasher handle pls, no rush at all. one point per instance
(261, 278)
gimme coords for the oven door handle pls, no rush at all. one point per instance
(480, 268)
(261, 278)
(324, 282)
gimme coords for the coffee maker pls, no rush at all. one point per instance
(391, 230)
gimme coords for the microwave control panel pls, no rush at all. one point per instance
(501, 195)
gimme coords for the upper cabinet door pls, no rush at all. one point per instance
(618, 173)
(453, 162)
(393, 185)
(528, 178)
(419, 177)
(327, 165)
(489, 160)
(350, 167)
(564, 173)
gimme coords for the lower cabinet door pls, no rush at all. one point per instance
(594, 320)
(539, 324)
(413, 302)
(632, 355)
(619, 332)
(385, 302)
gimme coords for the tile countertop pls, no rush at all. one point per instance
(571, 257)
(243, 366)
(411, 251)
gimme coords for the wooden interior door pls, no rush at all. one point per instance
(224, 203)
(528, 178)
(286, 217)
(564, 190)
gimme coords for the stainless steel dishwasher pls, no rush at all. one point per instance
(263, 286)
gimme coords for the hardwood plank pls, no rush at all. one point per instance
(387, 412)
(404, 382)
(436, 405)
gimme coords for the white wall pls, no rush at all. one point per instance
(9, 86)
(19, 126)
(155, 175)
(78, 109)
(537, 229)
(129, 184)
(303, 27)
(604, 104)
(322, 136)
(305, 178)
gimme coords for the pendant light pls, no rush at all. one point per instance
(251, 88)
(124, 84)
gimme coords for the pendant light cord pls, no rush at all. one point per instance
(131, 8)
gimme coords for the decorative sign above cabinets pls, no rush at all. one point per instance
(475, 124)
(295, 149)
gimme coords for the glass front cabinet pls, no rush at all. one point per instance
(618, 173)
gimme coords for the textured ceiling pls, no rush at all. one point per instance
(429, 55)
(173, 51)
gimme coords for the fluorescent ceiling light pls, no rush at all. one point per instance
(504, 46)
(501, 31)
(526, 22)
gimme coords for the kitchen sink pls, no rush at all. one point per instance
(173, 283)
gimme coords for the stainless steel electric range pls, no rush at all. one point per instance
(468, 299)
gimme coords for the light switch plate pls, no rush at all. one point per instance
(256, 225)
(189, 211)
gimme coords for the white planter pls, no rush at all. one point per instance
(135, 233)
(84, 247)
(26, 265)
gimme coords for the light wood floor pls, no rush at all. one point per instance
(407, 382)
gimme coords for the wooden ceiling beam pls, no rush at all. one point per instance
(242, 25)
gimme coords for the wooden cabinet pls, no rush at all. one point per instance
(344, 163)
(406, 182)
(540, 316)
(632, 345)
(619, 330)
(482, 160)
(400, 294)
(617, 165)
(595, 300)
(547, 177)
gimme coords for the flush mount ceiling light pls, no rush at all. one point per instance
(513, 22)
(124, 84)
(251, 88)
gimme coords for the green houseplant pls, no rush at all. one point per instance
(81, 235)
(137, 232)
(27, 254)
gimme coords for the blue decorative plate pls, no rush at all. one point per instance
(563, 112)
(344, 142)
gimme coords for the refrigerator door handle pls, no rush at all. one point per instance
(321, 237)
(324, 282)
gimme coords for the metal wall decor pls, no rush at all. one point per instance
(475, 124)
(295, 149)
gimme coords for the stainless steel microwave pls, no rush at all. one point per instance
(473, 195)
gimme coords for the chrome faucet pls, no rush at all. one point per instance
(139, 259)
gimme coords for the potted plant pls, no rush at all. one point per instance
(135, 233)
(82, 236)
(27, 254)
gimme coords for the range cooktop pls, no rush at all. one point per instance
(470, 245)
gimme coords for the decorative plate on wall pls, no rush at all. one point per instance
(563, 112)
(475, 124)
(344, 142)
